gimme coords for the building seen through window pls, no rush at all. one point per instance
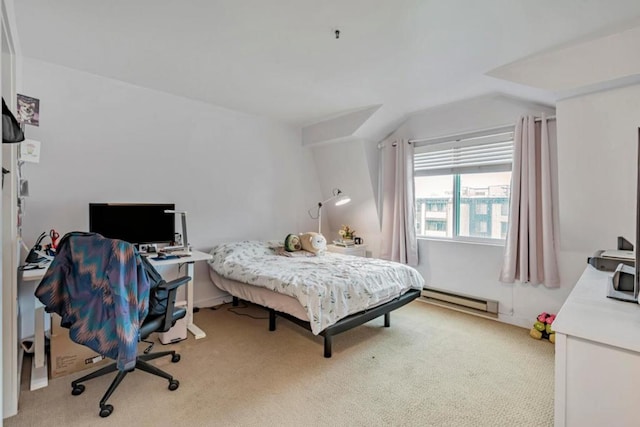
(483, 210)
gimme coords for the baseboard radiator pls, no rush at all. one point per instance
(461, 301)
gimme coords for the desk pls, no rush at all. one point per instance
(39, 376)
(189, 261)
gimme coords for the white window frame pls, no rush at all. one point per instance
(458, 157)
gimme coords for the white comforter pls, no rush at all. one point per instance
(329, 287)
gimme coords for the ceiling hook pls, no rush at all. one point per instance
(337, 34)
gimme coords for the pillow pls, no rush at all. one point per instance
(313, 242)
(292, 243)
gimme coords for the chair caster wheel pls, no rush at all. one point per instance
(106, 410)
(78, 390)
(175, 358)
(174, 384)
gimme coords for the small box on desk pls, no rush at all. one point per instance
(67, 356)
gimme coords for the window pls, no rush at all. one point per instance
(503, 229)
(504, 209)
(463, 186)
(436, 206)
(436, 225)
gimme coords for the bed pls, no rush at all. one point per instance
(326, 294)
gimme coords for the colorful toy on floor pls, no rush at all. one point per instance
(542, 327)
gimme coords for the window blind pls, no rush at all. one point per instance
(487, 153)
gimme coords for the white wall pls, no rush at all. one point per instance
(239, 176)
(344, 165)
(473, 269)
(597, 155)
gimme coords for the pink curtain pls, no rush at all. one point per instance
(399, 242)
(530, 250)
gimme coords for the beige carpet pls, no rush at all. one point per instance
(433, 367)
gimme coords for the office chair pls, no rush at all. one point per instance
(80, 267)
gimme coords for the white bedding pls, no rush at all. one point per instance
(261, 296)
(328, 287)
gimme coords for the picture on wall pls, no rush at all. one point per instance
(28, 110)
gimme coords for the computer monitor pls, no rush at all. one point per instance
(137, 223)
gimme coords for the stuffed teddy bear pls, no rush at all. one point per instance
(292, 243)
(542, 327)
(314, 243)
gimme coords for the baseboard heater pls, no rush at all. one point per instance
(461, 301)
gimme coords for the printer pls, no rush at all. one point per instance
(610, 259)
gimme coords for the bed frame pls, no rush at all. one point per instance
(348, 322)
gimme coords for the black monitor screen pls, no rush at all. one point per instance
(134, 223)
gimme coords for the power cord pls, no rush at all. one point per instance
(244, 306)
(150, 347)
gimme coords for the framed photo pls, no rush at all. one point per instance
(28, 110)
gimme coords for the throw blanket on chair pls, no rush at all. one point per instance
(100, 289)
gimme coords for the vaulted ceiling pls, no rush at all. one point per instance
(281, 58)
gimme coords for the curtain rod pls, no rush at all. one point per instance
(497, 129)
(466, 135)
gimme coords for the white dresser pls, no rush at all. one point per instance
(597, 366)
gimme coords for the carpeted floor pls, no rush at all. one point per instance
(433, 367)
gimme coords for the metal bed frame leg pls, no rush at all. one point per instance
(235, 301)
(328, 339)
(387, 320)
(272, 320)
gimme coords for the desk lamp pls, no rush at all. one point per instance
(341, 199)
(185, 241)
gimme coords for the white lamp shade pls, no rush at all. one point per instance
(343, 200)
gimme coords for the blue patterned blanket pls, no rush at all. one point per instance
(100, 289)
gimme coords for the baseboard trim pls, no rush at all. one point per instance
(502, 318)
(460, 308)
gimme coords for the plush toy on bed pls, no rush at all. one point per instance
(314, 243)
(542, 327)
(292, 243)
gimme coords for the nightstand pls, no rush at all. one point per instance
(357, 250)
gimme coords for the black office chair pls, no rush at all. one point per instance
(152, 323)
(162, 311)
